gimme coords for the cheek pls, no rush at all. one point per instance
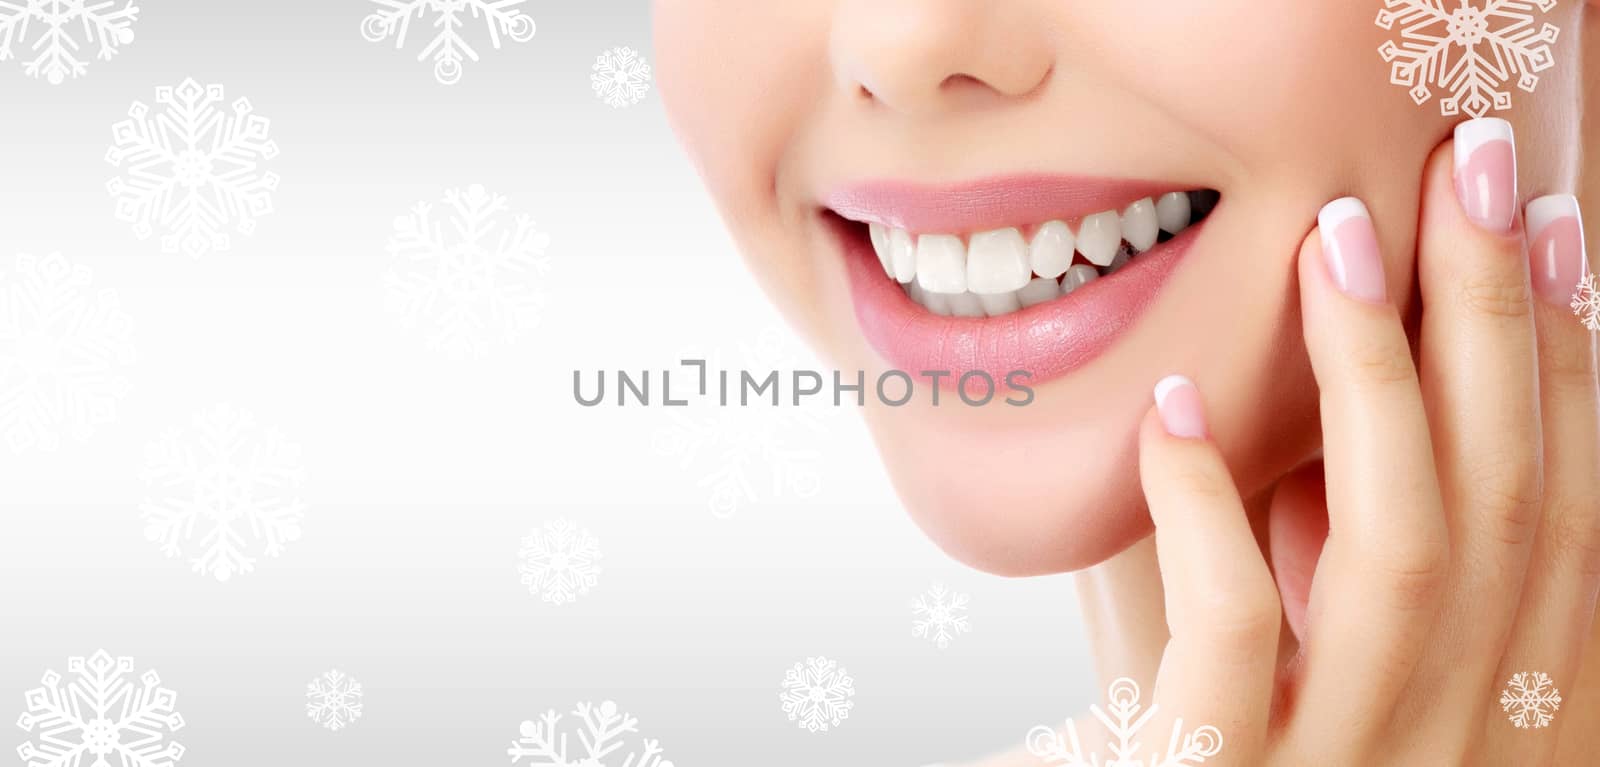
(736, 78)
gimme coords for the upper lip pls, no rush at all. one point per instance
(986, 204)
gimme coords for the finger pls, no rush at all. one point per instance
(1376, 588)
(1557, 606)
(1297, 528)
(1478, 365)
(1222, 607)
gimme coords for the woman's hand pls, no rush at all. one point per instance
(1462, 498)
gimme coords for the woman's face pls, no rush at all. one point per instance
(965, 128)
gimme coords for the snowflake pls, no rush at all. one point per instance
(939, 615)
(101, 713)
(56, 48)
(600, 736)
(334, 700)
(558, 562)
(192, 168)
(1586, 302)
(62, 348)
(1124, 723)
(235, 482)
(621, 77)
(474, 281)
(1497, 43)
(1530, 699)
(817, 694)
(449, 48)
(748, 453)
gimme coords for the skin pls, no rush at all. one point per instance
(1281, 114)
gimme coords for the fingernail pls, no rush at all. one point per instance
(1556, 248)
(1181, 410)
(1486, 172)
(1350, 248)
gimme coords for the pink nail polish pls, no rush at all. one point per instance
(1350, 248)
(1486, 172)
(1181, 410)
(1555, 229)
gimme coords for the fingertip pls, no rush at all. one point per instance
(1181, 408)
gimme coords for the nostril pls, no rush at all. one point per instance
(954, 82)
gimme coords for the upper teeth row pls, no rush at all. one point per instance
(1002, 260)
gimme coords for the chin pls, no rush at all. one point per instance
(984, 497)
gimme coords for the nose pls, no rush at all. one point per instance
(920, 57)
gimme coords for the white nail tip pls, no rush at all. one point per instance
(1168, 385)
(1543, 212)
(1473, 134)
(1339, 211)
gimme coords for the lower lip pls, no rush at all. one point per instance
(1046, 341)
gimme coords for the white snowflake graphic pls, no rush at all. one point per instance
(559, 562)
(57, 52)
(333, 700)
(62, 351)
(449, 47)
(602, 734)
(939, 615)
(471, 276)
(191, 167)
(745, 455)
(816, 694)
(621, 77)
(101, 717)
(235, 481)
(1124, 721)
(1530, 699)
(1586, 302)
(1471, 48)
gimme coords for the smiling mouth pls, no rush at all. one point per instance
(1032, 273)
(996, 272)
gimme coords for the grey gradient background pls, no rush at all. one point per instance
(423, 473)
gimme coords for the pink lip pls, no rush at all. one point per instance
(1047, 341)
(987, 204)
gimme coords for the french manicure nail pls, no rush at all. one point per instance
(1555, 229)
(1350, 248)
(1486, 172)
(1181, 410)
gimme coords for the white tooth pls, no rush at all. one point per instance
(1172, 211)
(1139, 225)
(941, 264)
(902, 255)
(1077, 277)
(1051, 251)
(966, 305)
(916, 293)
(997, 262)
(938, 303)
(996, 304)
(1040, 290)
(1099, 236)
(880, 245)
